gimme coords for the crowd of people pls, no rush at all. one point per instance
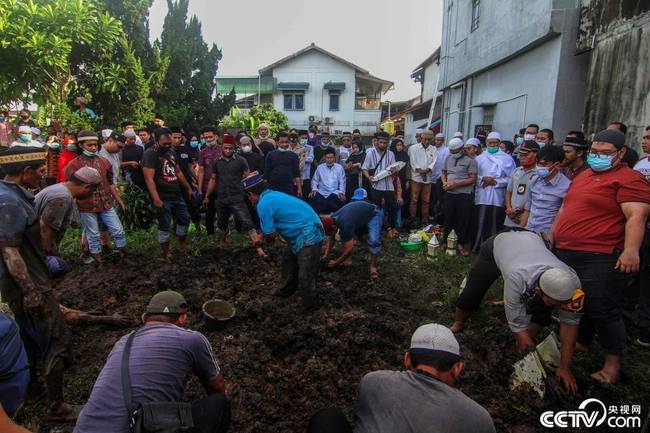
(565, 223)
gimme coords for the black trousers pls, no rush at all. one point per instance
(237, 208)
(458, 214)
(603, 286)
(299, 272)
(330, 420)
(489, 222)
(211, 414)
(195, 215)
(483, 273)
(386, 201)
(437, 203)
(210, 214)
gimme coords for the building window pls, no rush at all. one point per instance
(334, 101)
(294, 101)
(476, 13)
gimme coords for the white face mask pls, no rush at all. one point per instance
(530, 137)
(246, 149)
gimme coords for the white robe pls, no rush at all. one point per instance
(500, 166)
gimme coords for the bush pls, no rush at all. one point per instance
(140, 213)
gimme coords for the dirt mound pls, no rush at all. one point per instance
(282, 364)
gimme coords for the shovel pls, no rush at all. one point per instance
(533, 369)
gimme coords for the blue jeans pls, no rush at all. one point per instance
(90, 222)
(176, 209)
(374, 233)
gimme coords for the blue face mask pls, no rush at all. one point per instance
(541, 144)
(54, 145)
(72, 147)
(303, 141)
(282, 149)
(194, 144)
(90, 154)
(2, 119)
(519, 141)
(542, 171)
(492, 149)
(203, 141)
(600, 163)
(457, 155)
(26, 137)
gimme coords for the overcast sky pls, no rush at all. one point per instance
(388, 38)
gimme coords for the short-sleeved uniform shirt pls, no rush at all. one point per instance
(353, 216)
(162, 357)
(164, 162)
(291, 217)
(522, 257)
(460, 169)
(519, 187)
(229, 174)
(101, 200)
(54, 206)
(409, 401)
(591, 218)
(545, 201)
(643, 167)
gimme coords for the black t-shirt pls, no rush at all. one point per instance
(133, 152)
(229, 174)
(165, 177)
(255, 161)
(352, 217)
(184, 158)
(280, 170)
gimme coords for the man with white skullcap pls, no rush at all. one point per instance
(25, 138)
(421, 399)
(458, 179)
(535, 283)
(418, 135)
(494, 170)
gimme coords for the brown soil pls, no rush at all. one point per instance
(282, 364)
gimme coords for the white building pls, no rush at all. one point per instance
(425, 113)
(507, 63)
(314, 86)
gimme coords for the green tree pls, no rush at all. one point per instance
(134, 16)
(188, 95)
(37, 42)
(265, 113)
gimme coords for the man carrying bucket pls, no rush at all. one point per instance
(535, 282)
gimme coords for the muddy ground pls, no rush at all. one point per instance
(282, 364)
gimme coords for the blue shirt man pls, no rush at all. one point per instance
(295, 221)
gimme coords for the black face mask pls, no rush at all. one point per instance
(163, 148)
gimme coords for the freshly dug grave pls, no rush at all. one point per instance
(282, 364)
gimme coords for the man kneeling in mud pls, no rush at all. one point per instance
(160, 356)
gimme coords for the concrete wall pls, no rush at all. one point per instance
(317, 69)
(618, 87)
(517, 68)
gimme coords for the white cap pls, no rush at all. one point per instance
(435, 337)
(458, 134)
(106, 133)
(24, 128)
(440, 135)
(473, 142)
(559, 283)
(419, 130)
(494, 135)
(35, 130)
(455, 143)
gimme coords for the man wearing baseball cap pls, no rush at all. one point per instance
(162, 355)
(535, 282)
(598, 231)
(24, 277)
(421, 399)
(348, 221)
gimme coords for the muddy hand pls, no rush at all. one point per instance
(566, 379)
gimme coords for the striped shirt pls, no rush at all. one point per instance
(375, 161)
